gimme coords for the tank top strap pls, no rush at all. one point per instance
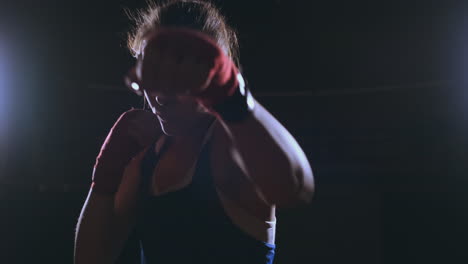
(150, 160)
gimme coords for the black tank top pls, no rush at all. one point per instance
(190, 225)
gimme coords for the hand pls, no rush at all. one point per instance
(183, 62)
(132, 132)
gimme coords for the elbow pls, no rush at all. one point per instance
(299, 193)
(301, 190)
(302, 193)
(306, 188)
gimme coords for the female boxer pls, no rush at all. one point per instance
(196, 179)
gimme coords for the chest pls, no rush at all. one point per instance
(177, 164)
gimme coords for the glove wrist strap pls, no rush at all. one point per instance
(237, 107)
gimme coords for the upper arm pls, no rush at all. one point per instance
(231, 179)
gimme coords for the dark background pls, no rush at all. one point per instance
(374, 91)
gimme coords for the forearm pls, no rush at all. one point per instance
(106, 220)
(100, 234)
(271, 157)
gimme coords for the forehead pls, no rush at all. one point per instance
(145, 34)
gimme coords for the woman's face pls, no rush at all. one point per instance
(178, 116)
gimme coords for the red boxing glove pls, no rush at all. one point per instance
(132, 132)
(191, 63)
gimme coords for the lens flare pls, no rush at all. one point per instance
(3, 93)
(135, 86)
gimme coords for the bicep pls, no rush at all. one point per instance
(232, 180)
